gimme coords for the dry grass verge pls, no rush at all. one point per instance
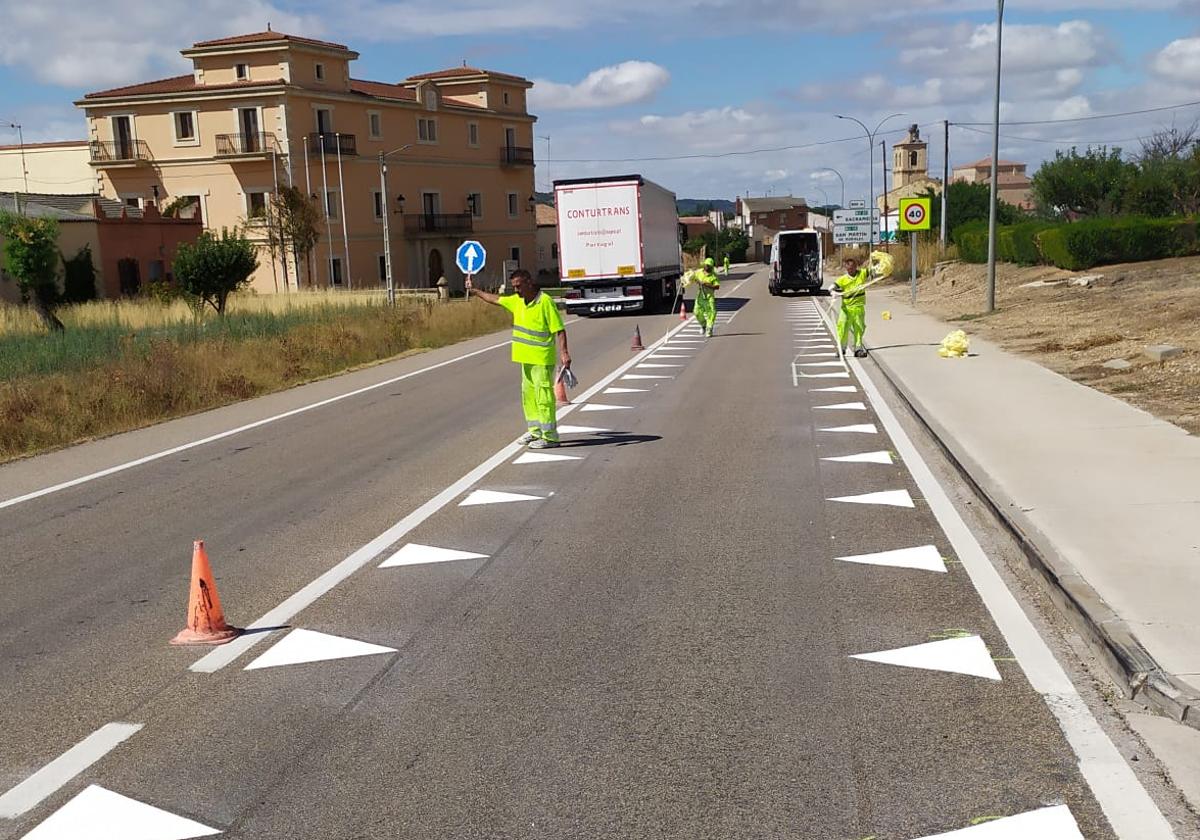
(1074, 329)
(167, 366)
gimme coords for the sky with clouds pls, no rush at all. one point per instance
(712, 98)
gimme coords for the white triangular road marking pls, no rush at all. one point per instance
(302, 646)
(837, 389)
(96, 813)
(496, 497)
(647, 365)
(968, 655)
(602, 407)
(544, 458)
(1053, 823)
(636, 377)
(671, 355)
(850, 406)
(860, 429)
(615, 390)
(864, 458)
(415, 554)
(821, 364)
(925, 557)
(890, 498)
(816, 355)
(582, 430)
(825, 375)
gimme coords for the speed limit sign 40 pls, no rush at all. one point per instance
(914, 213)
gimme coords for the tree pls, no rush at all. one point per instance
(969, 203)
(1173, 142)
(1095, 183)
(31, 258)
(212, 268)
(293, 225)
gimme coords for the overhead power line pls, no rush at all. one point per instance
(1087, 119)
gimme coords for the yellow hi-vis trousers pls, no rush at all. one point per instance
(705, 310)
(852, 320)
(537, 398)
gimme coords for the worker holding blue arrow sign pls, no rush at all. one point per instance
(471, 257)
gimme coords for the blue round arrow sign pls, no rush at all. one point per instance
(471, 257)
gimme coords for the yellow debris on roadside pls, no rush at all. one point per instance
(955, 346)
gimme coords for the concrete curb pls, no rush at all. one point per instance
(1131, 666)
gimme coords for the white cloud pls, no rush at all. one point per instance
(1179, 60)
(620, 84)
(91, 45)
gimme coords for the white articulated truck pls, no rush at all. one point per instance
(618, 244)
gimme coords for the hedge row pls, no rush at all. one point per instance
(1081, 245)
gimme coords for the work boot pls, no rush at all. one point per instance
(860, 352)
(527, 438)
(542, 443)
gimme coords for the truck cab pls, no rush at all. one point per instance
(796, 262)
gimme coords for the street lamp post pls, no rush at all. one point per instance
(871, 159)
(840, 178)
(386, 210)
(991, 272)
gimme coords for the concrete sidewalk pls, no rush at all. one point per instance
(1105, 496)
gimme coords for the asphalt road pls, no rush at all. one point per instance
(659, 644)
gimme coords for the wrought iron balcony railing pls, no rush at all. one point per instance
(259, 143)
(435, 224)
(331, 143)
(119, 151)
(516, 156)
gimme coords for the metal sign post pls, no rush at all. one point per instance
(914, 216)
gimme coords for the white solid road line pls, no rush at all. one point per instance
(219, 657)
(49, 779)
(1125, 802)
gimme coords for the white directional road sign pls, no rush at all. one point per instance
(860, 216)
(471, 257)
(854, 234)
(858, 204)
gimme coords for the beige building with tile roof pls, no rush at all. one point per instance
(1014, 184)
(268, 109)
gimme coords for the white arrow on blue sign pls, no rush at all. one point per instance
(471, 257)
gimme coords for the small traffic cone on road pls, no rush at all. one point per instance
(637, 339)
(682, 311)
(205, 621)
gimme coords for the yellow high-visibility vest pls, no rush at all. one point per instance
(534, 326)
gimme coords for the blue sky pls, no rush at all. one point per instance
(630, 79)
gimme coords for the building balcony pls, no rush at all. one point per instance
(256, 146)
(437, 224)
(516, 156)
(118, 153)
(331, 144)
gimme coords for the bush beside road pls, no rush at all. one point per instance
(122, 366)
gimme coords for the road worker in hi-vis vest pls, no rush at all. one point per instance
(539, 345)
(707, 282)
(852, 288)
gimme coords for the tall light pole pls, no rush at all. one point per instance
(871, 160)
(991, 272)
(824, 195)
(840, 178)
(386, 208)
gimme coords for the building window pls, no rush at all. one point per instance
(427, 130)
(375, 124)
(256, 204)
(431, 99)
(554, 251)
(331, 204)
(382, 268)
(335, 271)
(505, 97)
(472, 134)
(377, 196)
(475, 205)
(319, 71)
(514, 254)
(185, 126)
(132, 201)
(912, 159)
(513, 206)
(242, 71)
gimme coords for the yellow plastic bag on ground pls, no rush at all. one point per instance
(955, 346)
(887, 315)
(882, 264)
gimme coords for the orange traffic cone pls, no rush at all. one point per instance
(682, 311)
(637, 339)
(205, 622)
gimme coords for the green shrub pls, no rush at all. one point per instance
(1018, 243)
(972, 241)
(79, 277)
(1105, 241)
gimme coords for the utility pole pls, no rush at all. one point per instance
(24, 171)
(991, 272)
(883, 221)
(945, 182)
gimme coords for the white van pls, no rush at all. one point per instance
(796, 262)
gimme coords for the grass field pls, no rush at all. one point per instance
(120, 366)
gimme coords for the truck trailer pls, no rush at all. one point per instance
(618, 244)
